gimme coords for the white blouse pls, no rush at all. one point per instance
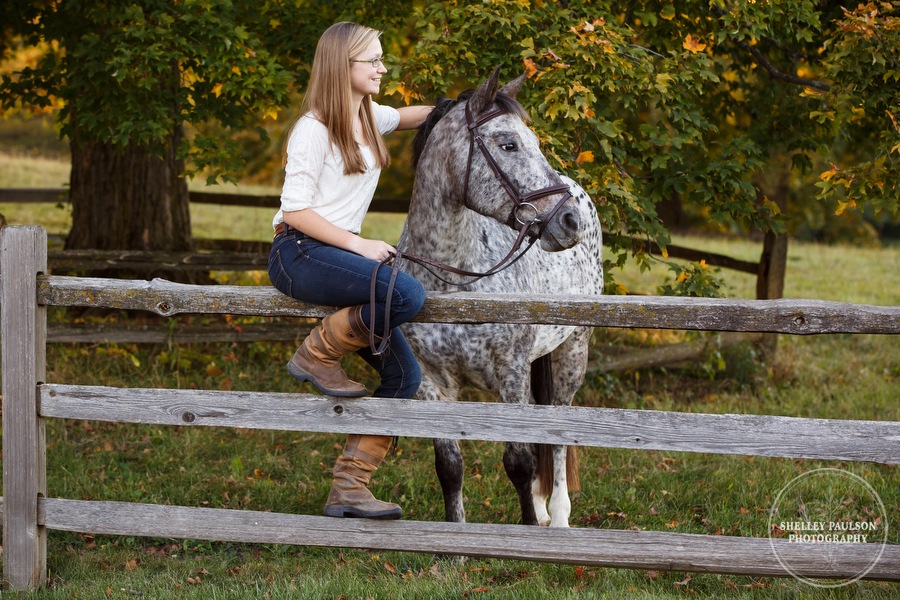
(314, 175)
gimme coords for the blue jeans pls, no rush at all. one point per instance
(312, 271)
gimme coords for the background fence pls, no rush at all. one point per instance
(28, 401)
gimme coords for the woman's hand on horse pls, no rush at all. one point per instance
(374, 249)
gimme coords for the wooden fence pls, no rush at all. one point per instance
(244, 255)
(28, 402)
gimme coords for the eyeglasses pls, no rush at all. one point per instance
(375, 62)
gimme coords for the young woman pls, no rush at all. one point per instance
(333, 157)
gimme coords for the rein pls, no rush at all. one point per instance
(520, 202)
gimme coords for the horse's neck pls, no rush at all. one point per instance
(446, 231)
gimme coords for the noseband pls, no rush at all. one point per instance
(522, 204)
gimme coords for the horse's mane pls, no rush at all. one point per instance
(506, 103)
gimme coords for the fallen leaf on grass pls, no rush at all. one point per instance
(390, 568)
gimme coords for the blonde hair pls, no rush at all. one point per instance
(329, 96)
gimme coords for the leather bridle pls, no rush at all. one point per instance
(521, 203)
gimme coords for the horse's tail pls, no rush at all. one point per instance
(542, 388)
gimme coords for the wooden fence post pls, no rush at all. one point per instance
(23, 255)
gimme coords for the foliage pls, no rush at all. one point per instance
(700, 102)
(863, 61)
(696, 280)
(128, 75)
(735, 109)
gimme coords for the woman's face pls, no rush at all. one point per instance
(365, 79)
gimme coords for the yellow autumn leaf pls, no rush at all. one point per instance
(237, 70)
(577, 88)
(583, 157)
(842, 206)
(827, 175)
(271, 113)
(681, 277)
(408, 94)
(530, 68)
(217, 89)
(606, 45)
(692, 45)
(773, 208)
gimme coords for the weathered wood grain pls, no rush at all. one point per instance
(94, 333)
(23, 254)
(791, 437)
(651, 430)
(602, 548)
(73, 260)
(792, 316)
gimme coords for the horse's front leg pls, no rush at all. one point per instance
(519, 462)
(448, 464)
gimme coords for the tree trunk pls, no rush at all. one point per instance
(131, 198)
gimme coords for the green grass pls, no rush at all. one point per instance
(840, 376)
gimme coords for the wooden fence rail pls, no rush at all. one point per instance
(28, 402)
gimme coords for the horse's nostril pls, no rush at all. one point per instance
(570, 220)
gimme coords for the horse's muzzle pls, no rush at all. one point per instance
(564, 229)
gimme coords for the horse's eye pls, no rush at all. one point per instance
(509, 146)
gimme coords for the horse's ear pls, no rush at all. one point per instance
(512, 88)
(485, 94)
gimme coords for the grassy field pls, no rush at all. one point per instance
(840, 376)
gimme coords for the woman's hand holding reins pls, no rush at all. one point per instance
(373, 249)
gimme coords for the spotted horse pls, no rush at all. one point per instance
(481, 183)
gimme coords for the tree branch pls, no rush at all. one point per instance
(777, 74)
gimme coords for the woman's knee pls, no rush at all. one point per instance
(412, 298)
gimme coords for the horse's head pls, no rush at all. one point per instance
(496, 162)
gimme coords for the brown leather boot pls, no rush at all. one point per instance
(318, 359)
(350, 496)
